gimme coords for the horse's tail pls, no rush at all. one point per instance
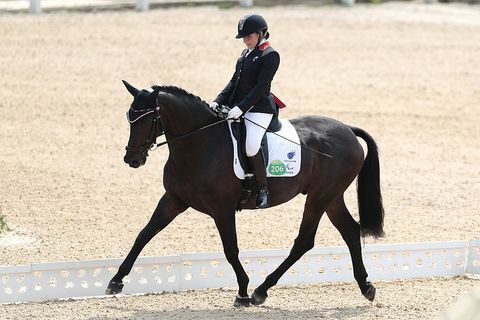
(368, 189)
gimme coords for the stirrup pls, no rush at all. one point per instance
(262, 197)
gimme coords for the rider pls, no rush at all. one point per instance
(249, 93)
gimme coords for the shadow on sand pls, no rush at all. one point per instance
(254, 312)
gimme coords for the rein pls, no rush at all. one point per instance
(189, 134)
(151, 143)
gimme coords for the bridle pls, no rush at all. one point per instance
(151, 143)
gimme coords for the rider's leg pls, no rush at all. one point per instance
(256, 124)
(258, 165)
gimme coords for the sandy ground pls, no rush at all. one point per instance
(409, 74)
(399, 300)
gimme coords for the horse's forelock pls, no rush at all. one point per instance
(143, 100)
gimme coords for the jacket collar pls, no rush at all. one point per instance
(263, 45)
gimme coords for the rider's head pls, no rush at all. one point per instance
(252, 28)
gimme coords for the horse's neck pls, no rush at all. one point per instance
(182, 118)
(190, 127)
(195, 139)
(199, 150)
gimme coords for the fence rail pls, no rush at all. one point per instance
(35, 6)
(38, 282)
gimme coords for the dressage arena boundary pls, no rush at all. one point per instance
(45, 281)
(36, 6)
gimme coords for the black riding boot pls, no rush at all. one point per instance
(258, 167)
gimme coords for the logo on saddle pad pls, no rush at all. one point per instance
(283, 153)
(277, 168)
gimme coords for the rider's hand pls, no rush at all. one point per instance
(235, 113)
(213, 106)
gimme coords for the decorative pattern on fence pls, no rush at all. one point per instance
(45, 281)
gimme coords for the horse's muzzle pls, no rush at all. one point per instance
(135, 160)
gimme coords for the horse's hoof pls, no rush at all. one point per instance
(258, 298)
(241, 302)
(114, 287)
(370, 291)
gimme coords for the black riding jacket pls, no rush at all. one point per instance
(251, 81)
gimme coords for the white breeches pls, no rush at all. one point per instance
(254, 132)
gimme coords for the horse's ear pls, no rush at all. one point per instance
(133, 91)
(156, 90)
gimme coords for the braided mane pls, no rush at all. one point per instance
(183, 94)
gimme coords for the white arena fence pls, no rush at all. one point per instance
(45, 281)
(35, 6)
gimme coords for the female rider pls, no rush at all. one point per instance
(249, 93)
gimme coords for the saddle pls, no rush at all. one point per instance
(275, 168)
(239, 132)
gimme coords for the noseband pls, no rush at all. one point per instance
(151, 143)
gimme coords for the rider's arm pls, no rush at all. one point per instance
(270, 64)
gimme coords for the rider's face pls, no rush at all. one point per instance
(251, 40)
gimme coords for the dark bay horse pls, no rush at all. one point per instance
(199, 174)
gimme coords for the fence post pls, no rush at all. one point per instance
(246, 3)
(142, 5)
(35, 6)
(348, 3)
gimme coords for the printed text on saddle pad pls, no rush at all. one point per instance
(284, 152)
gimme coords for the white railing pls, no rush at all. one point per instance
(141, 5)
(37, 282)
(35, 6)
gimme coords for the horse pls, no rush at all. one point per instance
(199, 174)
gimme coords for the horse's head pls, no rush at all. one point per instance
(145, 125)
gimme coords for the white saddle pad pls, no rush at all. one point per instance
(284, 157)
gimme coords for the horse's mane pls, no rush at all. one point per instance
(188, 97)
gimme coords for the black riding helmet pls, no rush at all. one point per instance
(249, 24)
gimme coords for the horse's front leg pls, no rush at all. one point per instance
(167, 209)
(228, 233)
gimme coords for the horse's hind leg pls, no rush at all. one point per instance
(167, 209)
(304, 242)
(350, 230)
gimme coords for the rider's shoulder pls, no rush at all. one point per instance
(267, 50)
(270, 54)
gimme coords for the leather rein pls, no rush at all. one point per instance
(151, 143)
